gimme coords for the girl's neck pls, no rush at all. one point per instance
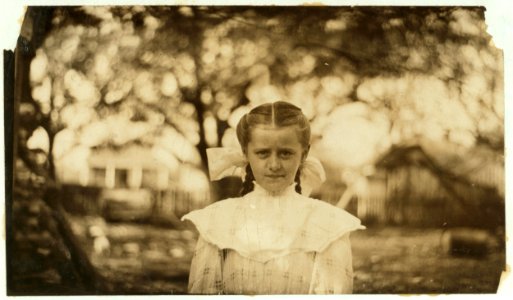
(291, 189)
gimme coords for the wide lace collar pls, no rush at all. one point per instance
(263, 225)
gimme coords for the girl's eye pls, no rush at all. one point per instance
(285, 154)
(262, 154)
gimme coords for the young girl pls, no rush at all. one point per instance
(272, 239)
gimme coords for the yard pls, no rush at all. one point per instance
(144, 259)
(411, 261)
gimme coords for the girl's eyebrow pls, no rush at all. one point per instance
(279, 149)
(286, 148)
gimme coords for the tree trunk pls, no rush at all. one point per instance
(196, 39)
(202, 144)
(70, 259)
(51, 161)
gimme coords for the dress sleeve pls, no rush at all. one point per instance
(205, 276)
(333, 269)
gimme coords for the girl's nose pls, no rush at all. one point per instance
(274, 163)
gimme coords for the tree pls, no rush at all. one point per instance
(369, 79)
(34, 186)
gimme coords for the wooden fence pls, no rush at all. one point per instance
(412, 195)
(167, 205)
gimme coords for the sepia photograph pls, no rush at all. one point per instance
(254, 150)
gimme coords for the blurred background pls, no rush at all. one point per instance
(114, 108)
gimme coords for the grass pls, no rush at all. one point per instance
(387, 260)
(411, 261)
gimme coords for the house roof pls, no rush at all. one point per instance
(479, 165)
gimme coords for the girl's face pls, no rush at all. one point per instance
(275, 155)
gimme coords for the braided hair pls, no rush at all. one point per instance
(247, 184)
(279, 114)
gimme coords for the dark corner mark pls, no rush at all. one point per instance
(8, 148)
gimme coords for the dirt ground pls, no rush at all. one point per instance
(145, 259)
(411, 261)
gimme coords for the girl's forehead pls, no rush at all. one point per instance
(268, 134)
(271, 129)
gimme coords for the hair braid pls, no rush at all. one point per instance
(247, 184)
(297, 179)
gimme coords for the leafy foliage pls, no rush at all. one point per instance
(370, 79)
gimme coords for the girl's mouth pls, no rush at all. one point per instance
(274, 176)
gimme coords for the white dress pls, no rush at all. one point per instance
(268, 244)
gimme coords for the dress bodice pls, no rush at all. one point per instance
(265, 243)
(262, 226)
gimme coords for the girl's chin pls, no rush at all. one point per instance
(275, 187)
